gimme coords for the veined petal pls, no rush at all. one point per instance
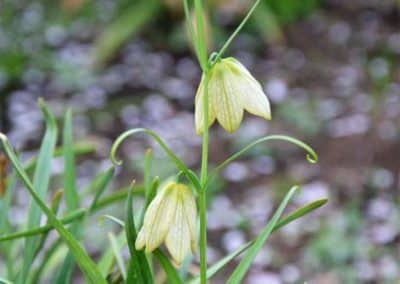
(190, 212)
(178, 237)
(236, 67)
(199, 108)
(227, 100)
(140, 240)
(254, 99)
(158, 218)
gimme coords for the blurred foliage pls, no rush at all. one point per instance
(300, 115)
(31, 33)
(341, 235)
(121, 29)
(287, 11)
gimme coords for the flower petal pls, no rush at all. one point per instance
(199, 108)
(190, 212)
(158, 218)
(226, 100)
(178, 237)
(254, 99)
(140, 240)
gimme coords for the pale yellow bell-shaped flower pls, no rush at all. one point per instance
(231, 90)
(171, 218)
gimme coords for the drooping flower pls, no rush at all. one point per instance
(171, 218)
(231, 90)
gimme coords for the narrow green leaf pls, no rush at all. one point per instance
(219, 265)
(46, 259)
(300, 213)
(190, 28)
(215, 268)
(237, 30)
(241, 270)
(139, 267)
(179, 163)
(267, 24)
(71, 193)
(148, 159)
(77, 214)
(87, 266)
(5, 224)
(5, 202)
(100, 186)
(113, 219)
(107, 259)
(55, 205)
(169, 269)
(41, 181)
(65, 271)
(200, 34)
(117, 254)
(312, 157)
(5, 281)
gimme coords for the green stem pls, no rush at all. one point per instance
(237, 30)
(203, 237)
(203, 192)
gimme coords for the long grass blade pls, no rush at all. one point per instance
(139, 267)
(298, 213)
(71, 193)
(241, 270)
(148, 161)
(55, 205)
(5, 281)
(190, 28)
(79, 213)
(117, 254)
(41, 181)
(5, 224)
(169, 269)
(85, 263)
(46, 259)
(107, 259)
(237, 30)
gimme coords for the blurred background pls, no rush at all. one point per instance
(330, 69)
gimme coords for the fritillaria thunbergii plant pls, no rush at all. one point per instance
(225, 91)
(169, 216)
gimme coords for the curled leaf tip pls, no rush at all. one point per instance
(312, 158)
(115, 161)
